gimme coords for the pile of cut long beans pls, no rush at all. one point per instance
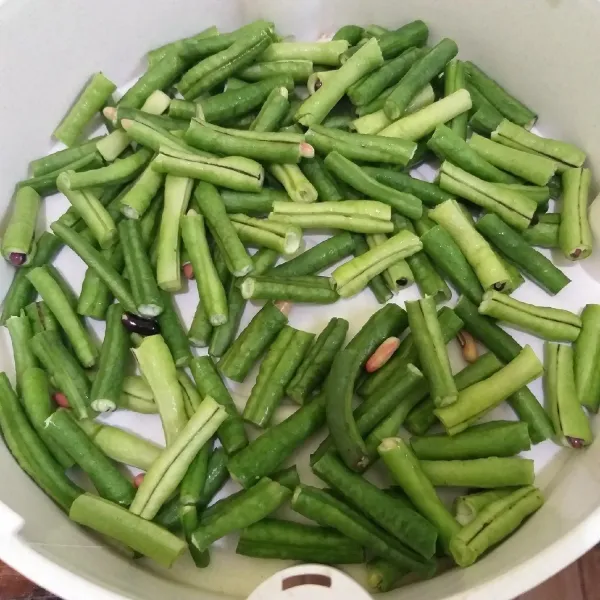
(214, 165)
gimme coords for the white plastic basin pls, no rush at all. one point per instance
(546, 51)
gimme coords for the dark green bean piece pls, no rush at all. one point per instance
(231, 104)
(361, 147)
(64, 369)
(36, 398)
(60, 159)
(286, 477)
(439, 245)
(209, 383)
(317, 362)
(141, 277)
(29, 451)
(119, 171)
(208, 200)
(201, 329)
(402, 522)
(215, 69)
(428, 280)
(450, 146)
(430, 194)
(94, 259)
(319, 506)
(264, 455)
(252, 204)
(172, 330)
(108, 383)
(344, 552)
(384, 411)
(107, 479)
(326, 186)
(419, 74)
(351, 33)
(406, 204)
(276, 370)
(274, 109)
(497, 438)
(318, 258)
(202, 44)
(45, 185)
(250, 507)
(511, 244)
(216, 476)
(252, 342)
(339, 388)
(389, 74)
(158, 77)
(40, 318)
(508, 105)
(95, 296)
(223, 335)
(189, 492)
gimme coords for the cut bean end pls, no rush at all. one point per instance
(103, 405)
(18, 259)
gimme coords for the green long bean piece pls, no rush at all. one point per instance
(313, 110)
(570, 422)
(136, 533)
(208, 200)
(29, 451)
(157, 366)
(277, 369)
(209, 383)
(96, 261)
(494, 523)
(107, 479)
(92, 99)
